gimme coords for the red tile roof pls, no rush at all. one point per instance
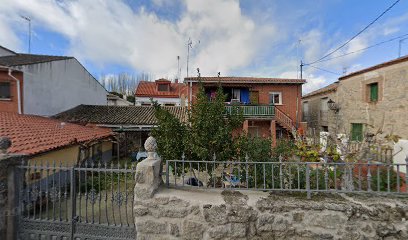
(244, 80)
(329, 88)
(381, 65)
(149, 89)
(31, 134)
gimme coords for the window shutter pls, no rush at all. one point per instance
(356, 132)
(374, 92)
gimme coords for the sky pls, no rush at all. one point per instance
(259, 38)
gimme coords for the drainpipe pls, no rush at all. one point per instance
(18, 90)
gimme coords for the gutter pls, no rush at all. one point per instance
(18, 90)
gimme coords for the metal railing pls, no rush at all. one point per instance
(252, 110)
(74, 198)
(308, 177)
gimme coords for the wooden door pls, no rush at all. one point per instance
(254, 97)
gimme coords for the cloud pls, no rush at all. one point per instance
(110, 32)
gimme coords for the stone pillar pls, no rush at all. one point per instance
(245, 126)
(273, 132)
(148, 172)
(8, 195)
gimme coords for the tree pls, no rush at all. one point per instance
(208, 131)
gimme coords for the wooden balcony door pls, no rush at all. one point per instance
(254, 97)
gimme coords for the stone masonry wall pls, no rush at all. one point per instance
(211, 214)
(388, 114)
(7, 163)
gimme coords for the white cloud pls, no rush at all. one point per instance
(107, 32)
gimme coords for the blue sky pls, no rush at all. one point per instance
(237, 38)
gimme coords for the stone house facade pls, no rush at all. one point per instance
(315, 109)
(374, 99)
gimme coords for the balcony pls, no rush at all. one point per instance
(261, 111)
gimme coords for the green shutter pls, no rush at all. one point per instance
(374, 92)
(356, 131)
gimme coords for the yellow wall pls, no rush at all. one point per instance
(67, 156)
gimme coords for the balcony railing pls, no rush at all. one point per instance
(251, 110)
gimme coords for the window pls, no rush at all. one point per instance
(306, 108)
(373, 92)
(323, 104)
(236, 94)
(5, 90)
(325, 128)
(357, 132)
(275, 98)
(163, 87)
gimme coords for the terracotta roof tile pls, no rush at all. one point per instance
(117, 115)
(329, 88)
(149, 89)
(245, 80)
(31, 134)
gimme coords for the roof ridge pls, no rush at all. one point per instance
(42, 55)
(376, 66)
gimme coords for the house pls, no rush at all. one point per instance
(163, 91)
(46, 85)
(115, 100)
(132, 123)
(271, 106)
(44, 140)
(372, 100)
(11, 91)
(316, 109)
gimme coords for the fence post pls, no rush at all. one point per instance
(406, 173)
(368, 176)
(74, 218)
(168, 174)
(246, 169)
(308, 181)
(148, 172)
(280, 172)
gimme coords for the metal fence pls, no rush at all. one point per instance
(309, 177)
(92, 201)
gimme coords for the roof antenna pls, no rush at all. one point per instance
(219, 73)
(29, 31)
(198, 72)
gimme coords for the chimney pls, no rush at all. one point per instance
(176, 80)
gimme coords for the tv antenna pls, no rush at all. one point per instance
(29, 31)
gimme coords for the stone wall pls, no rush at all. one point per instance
(192, 213)
(389, 114)
(7, 213)
(211, 214)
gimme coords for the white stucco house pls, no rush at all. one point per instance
(163, 91)
(52, 84)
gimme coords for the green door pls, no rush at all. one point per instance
(357, 132)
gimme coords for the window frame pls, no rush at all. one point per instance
(9, 90)
(371, 87)
(167, 86)
(275, 93)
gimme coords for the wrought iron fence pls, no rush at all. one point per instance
(309, 177)
(92, 201)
